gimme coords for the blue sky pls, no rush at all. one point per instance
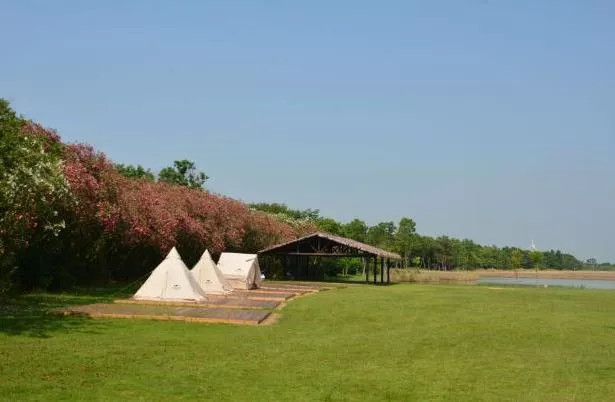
(487, 119)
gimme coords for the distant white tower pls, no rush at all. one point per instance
(533, 246)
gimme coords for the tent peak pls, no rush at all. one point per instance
(174, 254)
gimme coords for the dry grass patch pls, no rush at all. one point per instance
(424, 276)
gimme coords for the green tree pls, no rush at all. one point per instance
(460, 256)
(536, 257)
(490, 257)
(444, 251)
(183, 173)
(134, 172)
(570, 262)
(516, 257)
(329, 225)
(356, 230)
(382, 235)
(404, 238)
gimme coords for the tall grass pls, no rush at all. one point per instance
(425, 276)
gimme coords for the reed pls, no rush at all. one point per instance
(428, 276)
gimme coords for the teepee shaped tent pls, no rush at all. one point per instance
(209, 276)
(241, 270)
(171, 280)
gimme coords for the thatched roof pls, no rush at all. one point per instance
(330, 246)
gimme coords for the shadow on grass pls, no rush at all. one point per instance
(109, 291)
(32, 315)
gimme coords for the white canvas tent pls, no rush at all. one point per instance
(171, 280)
(209, 277)
(241, 270)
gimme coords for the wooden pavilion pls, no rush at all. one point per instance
(321, 244)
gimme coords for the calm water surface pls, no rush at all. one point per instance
(575, 283)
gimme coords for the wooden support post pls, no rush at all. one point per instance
(366, 266)
(388, 271)
(307, 266)
(375, 267)
(381, 270)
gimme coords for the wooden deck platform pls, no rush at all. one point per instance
(169, 313)
(288, 289)
(246, 307)
(258, 294)
(213, 301)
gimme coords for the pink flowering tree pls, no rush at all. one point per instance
(70, 216)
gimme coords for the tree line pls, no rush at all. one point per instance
(69, 216)
(442, 252)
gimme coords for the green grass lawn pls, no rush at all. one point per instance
(403, 342)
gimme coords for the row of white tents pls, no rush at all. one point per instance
(171, 280)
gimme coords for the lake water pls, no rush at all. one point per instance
(575, 283)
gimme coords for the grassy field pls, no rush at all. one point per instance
(402, 342)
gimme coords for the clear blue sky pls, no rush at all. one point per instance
(487, 119)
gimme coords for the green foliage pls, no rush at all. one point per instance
(382, 235)
(445, 253)
(183, 173)
(33, 190)
(134, 172)
(10, 139)
(516, 257)
(536, 257)
(423, 251)
(330, 225)
(405, 239)
(356, 230)
(283, 209)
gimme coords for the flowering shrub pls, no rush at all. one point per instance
(31, 192)
(100, 226)
(33, 189)
(140, 220)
